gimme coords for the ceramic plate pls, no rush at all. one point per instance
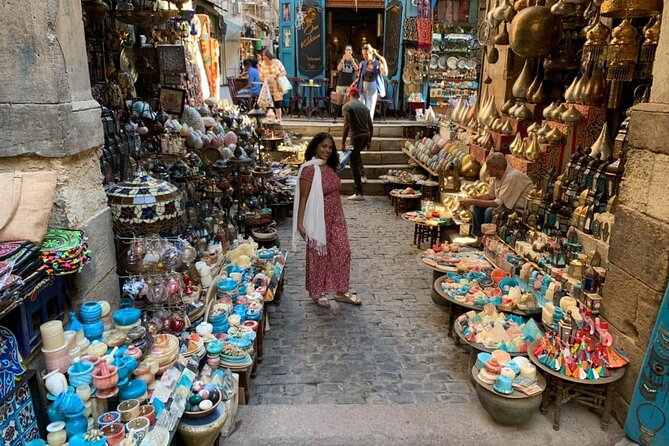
(416, 69)
(452, 63)
(461, 64)
(470, 64)
(434, 62)
(406, 78)
(442, 62)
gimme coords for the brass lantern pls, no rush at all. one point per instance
(595, 45)
(622, 52)
(648, 49)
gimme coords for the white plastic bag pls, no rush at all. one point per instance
(265, 97)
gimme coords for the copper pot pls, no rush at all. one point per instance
(595, 90)
(535, 32)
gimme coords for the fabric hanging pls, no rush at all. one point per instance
(424, 24)
(209, 47)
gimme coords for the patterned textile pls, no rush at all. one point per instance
(329, 273)
(210, 54)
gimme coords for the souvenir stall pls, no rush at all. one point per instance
(149, 373)
(563, 122)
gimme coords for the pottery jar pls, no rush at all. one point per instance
(213, 361)
(133, 352)
(129, 410)
(53, 336)
(114, 433)
(56, 434)
(55, 382)
(143, 372)
(81, 373)
(54, 414)
(90, 312)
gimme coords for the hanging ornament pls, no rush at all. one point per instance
(622, 52)
(648, 49)
(595, 45)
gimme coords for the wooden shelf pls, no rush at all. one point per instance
(430, 171)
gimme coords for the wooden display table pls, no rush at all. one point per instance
(596, 394)
(405, 203)
(430, 233)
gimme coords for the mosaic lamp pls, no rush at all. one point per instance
(145, 205)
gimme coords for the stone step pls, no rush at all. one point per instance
(335, 129)
(384, 157)
(371, 187)
(374, 171)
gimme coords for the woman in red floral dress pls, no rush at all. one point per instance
(319, 219)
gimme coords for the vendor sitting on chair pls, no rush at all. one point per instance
(252, 88)
(509, 189)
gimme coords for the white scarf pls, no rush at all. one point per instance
(314, 211)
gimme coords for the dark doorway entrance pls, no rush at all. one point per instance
(350, 27)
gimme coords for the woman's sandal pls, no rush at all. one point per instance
(348, 298)
(323, 301)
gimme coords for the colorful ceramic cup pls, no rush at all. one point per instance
(129, 410)
(109, 418)
(114, 433)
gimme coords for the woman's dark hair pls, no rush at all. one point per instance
(333, 159)
(268, 54)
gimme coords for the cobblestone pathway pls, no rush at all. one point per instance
(392, 349)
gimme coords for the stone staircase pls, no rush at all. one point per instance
(385, 151)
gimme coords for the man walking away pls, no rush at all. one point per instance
(358, 122)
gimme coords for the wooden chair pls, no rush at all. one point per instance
(297, 100)
(244, 101)
(391, 98)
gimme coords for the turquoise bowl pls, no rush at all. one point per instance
(127, 316)
(94, 331)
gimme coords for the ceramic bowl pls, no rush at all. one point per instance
(127, 316)
(106, 308)
(97, 349)
(504, 385)
(140, 426)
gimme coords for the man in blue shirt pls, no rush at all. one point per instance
(254, 76)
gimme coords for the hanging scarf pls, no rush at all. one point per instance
(314, 211)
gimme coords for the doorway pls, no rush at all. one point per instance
(346, 26)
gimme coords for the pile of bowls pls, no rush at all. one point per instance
(229, 288)
(90, 314)
(80, 373)
(164, 351)
(126, 318)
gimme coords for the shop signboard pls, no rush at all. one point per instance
(310, 39)
(393, 35)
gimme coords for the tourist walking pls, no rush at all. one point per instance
(346, 69)
(318, 218)
(358, 122)
(370, 78)
(270, 70)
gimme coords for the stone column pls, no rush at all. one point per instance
(639, 251)
(51, 122)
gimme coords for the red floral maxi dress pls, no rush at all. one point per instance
(331, 272)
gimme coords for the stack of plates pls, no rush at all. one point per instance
(195, 347)
(236, 361)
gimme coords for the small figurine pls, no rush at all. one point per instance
(605, 337)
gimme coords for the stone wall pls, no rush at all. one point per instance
(639, 252)
(51, 122)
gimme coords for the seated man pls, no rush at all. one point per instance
(254, 76)
(509, 189)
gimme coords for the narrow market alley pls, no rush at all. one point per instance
(382, 373)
